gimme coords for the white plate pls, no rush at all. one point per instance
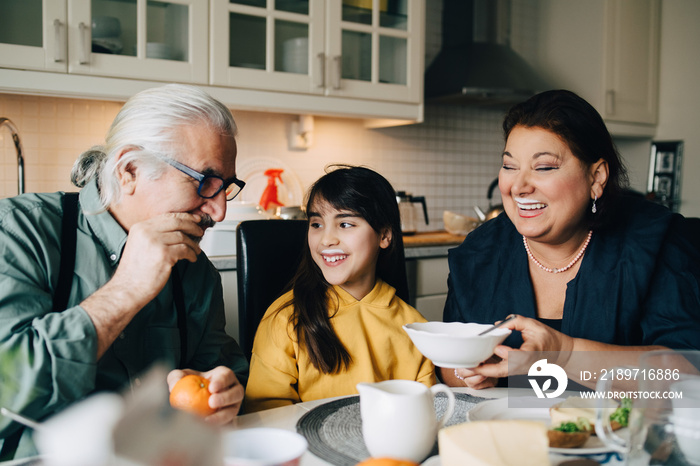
(498, 409)
(252, 171)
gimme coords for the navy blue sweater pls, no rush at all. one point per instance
(638, 283)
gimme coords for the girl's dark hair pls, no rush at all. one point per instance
(369, 195)
(580, 126)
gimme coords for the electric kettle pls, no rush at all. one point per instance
(407, 203)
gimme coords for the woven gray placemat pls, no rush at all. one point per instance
(334, 429)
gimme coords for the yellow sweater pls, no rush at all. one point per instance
(282, 374)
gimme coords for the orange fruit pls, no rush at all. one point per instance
(191, 393)
(386, 462)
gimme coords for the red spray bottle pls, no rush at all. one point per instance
(269, 195)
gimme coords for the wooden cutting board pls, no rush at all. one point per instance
(431, 238)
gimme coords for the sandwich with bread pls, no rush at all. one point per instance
(573, 420)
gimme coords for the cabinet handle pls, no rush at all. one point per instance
(84, 37)
(610, 102)
(58, 44)
(322, 67)
(338, 67)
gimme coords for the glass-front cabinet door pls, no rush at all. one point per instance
(348, 48)
(33, 34)
(375, 49)
(268, 44)
(147, 39)
(151, 39)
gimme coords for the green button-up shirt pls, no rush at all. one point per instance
(48, 359)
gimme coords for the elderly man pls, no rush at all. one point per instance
(95, 289)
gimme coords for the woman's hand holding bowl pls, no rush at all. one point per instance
(537, 337)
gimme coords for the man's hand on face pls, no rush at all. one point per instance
(153, 247)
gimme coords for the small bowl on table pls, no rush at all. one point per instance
(263, 446)
(455, 345)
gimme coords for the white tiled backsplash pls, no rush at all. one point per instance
(450, 158)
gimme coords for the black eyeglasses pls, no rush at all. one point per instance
(209, 185)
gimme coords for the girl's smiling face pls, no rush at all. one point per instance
(546, 189)
(345, 247)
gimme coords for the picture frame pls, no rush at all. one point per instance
(663, 186)
(665, 162)
(665, 169)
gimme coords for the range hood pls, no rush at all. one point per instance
(476, 64)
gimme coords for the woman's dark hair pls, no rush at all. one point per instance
(580, 126)
(369, 195)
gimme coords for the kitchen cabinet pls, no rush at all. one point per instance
(607, 51)
(366, 49)
(154, 39)
(427, 283)
(31, 32)
(355, 58)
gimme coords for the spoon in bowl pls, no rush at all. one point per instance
(510, 317)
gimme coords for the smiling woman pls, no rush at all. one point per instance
(584, 265)
(546, 189)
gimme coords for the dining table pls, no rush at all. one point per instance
(293, 418)
(288, 417)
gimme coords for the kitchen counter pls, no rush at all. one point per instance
(430, 244)
(432, 238)
(420, 245)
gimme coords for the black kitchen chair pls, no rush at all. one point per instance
(267, 256)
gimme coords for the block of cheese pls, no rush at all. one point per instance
(494, 443)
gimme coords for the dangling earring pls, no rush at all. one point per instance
(594, 209)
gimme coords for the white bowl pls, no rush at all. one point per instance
(455, 345)
(458, 224)
(263, 447)
(106, 26)
(295, 58)
(158, 50)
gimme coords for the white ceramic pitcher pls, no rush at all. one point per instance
(399, 419)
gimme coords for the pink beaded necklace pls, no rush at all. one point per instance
(563, 269)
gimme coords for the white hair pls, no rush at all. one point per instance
(147, 124)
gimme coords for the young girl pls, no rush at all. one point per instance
(341, 322)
